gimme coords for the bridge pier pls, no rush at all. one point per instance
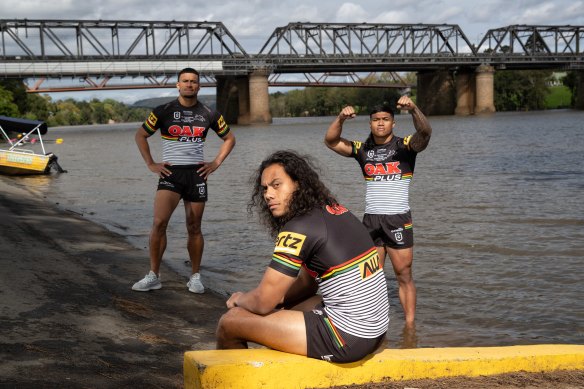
(227, 98)
(436, 95)
(244, 100)
(485, 89)
(259, 98)
(243, 94)
(475, 91)
(465, 93)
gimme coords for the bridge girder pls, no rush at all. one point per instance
(354, 39)
(533, 40)
(91, 50)
(119, 40)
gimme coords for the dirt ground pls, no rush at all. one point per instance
(68, 318)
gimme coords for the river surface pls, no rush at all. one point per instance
(497, 204)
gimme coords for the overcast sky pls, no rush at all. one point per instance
(252, 21)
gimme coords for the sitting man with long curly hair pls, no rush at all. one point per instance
(319, 245)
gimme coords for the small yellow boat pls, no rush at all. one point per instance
(20, 158)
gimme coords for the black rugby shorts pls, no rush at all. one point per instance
(185, 181)
(325, 341)
(393, 231)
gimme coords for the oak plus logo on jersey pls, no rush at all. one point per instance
(187, 133)
(289, 243)
(388, 171)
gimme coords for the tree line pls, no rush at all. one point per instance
(16, 102)
(514, 90)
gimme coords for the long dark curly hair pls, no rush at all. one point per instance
(311, 192)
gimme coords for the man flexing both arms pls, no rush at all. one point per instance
(183, 125)
(320, 244)
(387, 162)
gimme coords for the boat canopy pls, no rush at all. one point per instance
(22, 125)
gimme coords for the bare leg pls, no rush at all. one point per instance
(195, 244)
(165, 203)
(381, 253)
(401, 260)
(409, 338)
(282, 330)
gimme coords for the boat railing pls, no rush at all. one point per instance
(22, 151)
(23, 139)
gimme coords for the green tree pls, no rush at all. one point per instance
(517, 90)
(67, 113)
(39, 107)
(7, 106)
(18, 90)
(571, 80)
(98, 112)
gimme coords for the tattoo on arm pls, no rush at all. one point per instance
(421, 138)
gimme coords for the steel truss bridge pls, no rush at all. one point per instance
(114, 54)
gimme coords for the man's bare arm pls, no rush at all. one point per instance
(160, 169)
(266, 296)
(333, 138)
(421, 138)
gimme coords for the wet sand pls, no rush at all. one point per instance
(69, 317)
(70, 320)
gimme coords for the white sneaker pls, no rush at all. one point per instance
(150, 282)
(195, 284)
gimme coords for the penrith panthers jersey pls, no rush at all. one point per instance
(335, 248)
(184, 130)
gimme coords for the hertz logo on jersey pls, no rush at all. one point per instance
(289, 243)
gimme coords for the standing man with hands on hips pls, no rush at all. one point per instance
(387, 162)
(183, 124)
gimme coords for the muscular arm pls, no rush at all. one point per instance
(224, 150)
(421, 138)
(333, 138)
(266, 296)
(141, 139)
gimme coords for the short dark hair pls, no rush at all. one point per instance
(382, 108)
(188, 70)
(311, 192)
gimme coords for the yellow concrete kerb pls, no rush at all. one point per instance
(262, 368)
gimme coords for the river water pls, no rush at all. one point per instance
(497, 202)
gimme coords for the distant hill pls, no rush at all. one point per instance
(208, 100)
